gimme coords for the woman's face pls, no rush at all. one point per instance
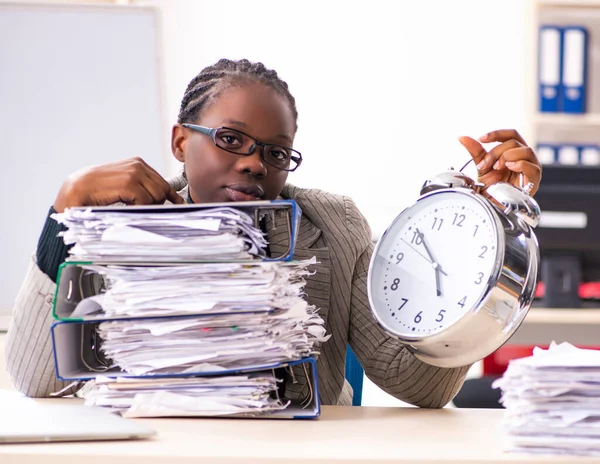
(216, 175)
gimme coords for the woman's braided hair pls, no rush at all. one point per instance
(213, 80)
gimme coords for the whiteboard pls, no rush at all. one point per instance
(79, 85)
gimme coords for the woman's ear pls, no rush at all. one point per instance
(178, 141)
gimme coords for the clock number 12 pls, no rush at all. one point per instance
(458, 219)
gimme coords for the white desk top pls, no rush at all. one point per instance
(341, 435)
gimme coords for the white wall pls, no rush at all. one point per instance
(383, 88)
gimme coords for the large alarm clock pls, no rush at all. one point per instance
(455, 273)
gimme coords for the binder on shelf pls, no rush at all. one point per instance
(589, 155)
(568, 155)
(549, 68)
(574, 69)
(547, 153)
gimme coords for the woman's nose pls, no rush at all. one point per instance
(253, 164)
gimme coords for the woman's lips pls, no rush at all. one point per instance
(244, 192)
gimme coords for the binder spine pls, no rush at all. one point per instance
(550, 69)
(568, 154)
(574, 69)
(547, 153)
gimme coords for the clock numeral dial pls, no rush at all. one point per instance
(434, 263)
(458, 220)
(417, 239)
(484, 249)
(479, 278)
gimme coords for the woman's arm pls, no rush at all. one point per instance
(29, 358)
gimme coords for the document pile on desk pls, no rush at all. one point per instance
(183, 327)
(552, 401)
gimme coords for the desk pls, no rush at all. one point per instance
(341, 435)
(541, 326)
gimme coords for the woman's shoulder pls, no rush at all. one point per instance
(332, 213)
(314, 197)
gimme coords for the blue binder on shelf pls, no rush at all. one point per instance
(550, 69)
(547, 153)
(570, 154)
(589, 155)
(567, 154)
(574, 69)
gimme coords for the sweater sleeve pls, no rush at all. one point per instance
(51, 250)
(29, 359)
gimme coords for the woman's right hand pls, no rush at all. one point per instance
(130, 181)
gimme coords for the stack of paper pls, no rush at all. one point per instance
(191, 320)
(209, 396)
(205, 235)
(211, 343)
(552, 401)
(210, 288)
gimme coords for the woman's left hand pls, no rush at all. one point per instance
(505, 161)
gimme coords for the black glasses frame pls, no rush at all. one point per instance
(212, 132)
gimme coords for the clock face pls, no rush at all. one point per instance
(433, 264)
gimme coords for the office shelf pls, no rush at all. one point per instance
(566, 119)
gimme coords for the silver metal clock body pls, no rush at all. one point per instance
(491, 311)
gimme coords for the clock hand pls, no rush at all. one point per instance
(422, 237)
(437, 280)
(423, 256)
(435, 265)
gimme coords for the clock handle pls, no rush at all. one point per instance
(465, 165)
(526, 188)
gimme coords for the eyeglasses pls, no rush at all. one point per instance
(235, 141)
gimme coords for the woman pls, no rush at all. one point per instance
(236, 124)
